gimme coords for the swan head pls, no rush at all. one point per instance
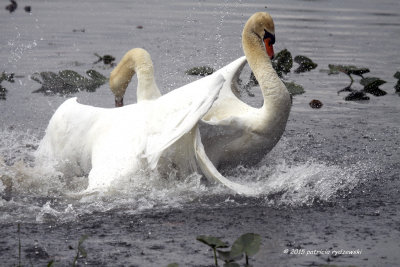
(262, 25)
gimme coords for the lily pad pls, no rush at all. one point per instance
(356, 96)
(3, 93)
(371, 86)
(397, 75)
(248, 243)
(226, 256)
(173, 265)
(397, 87)
(347, 69)
(212, 241)
(200, 71)
(67, 82)
(294, 88)
(306, 64)
(231, 264)
(283, 62)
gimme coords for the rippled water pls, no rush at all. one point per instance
(324, 155)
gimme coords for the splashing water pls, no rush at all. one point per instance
(41, 194)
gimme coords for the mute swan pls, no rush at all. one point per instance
(113, 144)
(232, 131)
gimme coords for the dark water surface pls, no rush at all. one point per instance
(331, 183)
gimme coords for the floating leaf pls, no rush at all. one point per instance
(397, 75)
(305, 63)
(201, 71)
(294, 88)
(173, 265)
(248, 243)
(371, 85)
(212, 241)
(3, 93)
(356, 95)
(397, 86)
(227, 256)
(282, 62)
(347, 69)
(67, 82)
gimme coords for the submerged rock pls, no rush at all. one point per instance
(200, 71)
(305, 63)
(67, 82)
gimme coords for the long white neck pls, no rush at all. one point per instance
(276, 96)
(135, 61)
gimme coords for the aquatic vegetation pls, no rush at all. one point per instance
(173, 265)
(247, 244)
(370, 84)
(67, 82)
(305, 63)
(214, 243)
(397, 86)
(106, 59)
(12, 7)
(200, 71)
(294, 88)
(282, 62)
(81, 252)
(9, 77)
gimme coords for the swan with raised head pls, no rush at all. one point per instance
(232, 131)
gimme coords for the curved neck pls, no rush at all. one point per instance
(134, 61)
(260, 63)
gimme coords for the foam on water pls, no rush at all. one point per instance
(41, 194)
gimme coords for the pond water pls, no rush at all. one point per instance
(339, 162)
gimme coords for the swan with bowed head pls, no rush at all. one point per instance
(232, 132)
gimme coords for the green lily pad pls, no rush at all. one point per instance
(173, 265)
(200, 71)
(347, 69)
(212, 241)
(282, 62)
(306, 64)
(356, 96)
(248, 243)
(371, 82)
(397, 75)
(227, 256)
(67, 82)
(294, 88)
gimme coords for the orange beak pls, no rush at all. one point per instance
(269, 48)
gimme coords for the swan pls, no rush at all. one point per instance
(113, 144)
(232, 131)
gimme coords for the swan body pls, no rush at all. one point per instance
(232, 131)
(113, 143)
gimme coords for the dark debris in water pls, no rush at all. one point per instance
(356, 96)
(305, 63)
(9, 77)
(12, 6)
(67, 82)
(397, 86)
(347, 69)
(200, 71)
(315, 103)
(106, 59)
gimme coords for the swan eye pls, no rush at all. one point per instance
(269, 36)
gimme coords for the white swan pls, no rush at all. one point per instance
(113, 144)
(232, 131)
